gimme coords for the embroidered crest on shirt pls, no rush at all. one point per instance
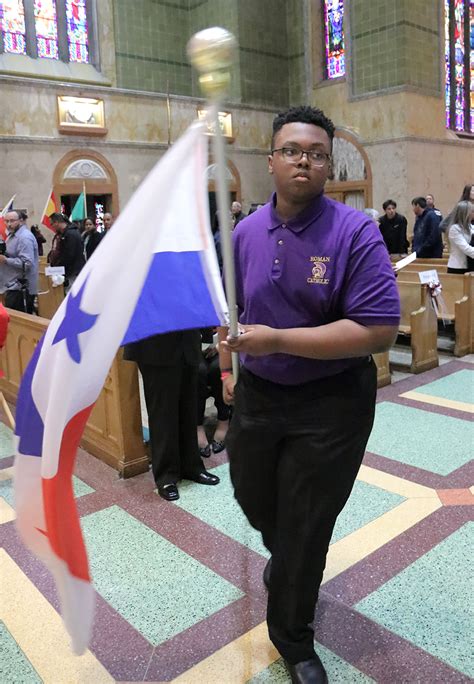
(318, 270)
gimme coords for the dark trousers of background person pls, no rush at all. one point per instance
(20, 300)
(294, 455)
(210, 384)
(170, 396)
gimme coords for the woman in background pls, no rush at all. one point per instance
(90, 238)
(460, 236)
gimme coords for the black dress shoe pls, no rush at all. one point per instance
(204, 478)
(205, 451)
(308, 672)
(266, 574)
(169, 492)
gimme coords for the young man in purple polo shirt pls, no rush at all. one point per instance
(316, 296)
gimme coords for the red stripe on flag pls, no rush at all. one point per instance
(62, 521)
(52, 206)
(3, 228)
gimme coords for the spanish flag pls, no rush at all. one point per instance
(52, 206)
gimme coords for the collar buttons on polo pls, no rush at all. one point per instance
(277, 261)
(280, 242)
(283, 225)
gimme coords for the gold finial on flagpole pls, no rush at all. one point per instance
(212, 52)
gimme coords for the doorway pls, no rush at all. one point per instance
(213, 207)
(97, 206)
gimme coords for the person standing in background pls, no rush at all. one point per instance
(19, 264)
(40, 239)
(393, 227)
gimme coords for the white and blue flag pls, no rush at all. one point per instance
(155, 271)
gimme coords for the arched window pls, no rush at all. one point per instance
(52, 29)
(459, 64)
(333, 11)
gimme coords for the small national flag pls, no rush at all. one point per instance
(79, 211)
(51, 207)
(171, 282)
(8, 207)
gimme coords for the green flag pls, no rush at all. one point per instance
(79, 211)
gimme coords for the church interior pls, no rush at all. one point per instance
(93, 94)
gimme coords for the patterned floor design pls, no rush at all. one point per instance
(179, 589)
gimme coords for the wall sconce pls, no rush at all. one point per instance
(81, 116)
(225, 123)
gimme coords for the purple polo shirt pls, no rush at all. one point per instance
(328, 263)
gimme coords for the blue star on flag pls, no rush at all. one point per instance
(75, 322)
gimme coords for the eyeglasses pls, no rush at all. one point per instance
(295, 154)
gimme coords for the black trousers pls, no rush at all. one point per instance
(294, 455)
(20, 300)
(210, 384)
(170, 396)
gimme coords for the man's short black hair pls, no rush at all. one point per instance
(389, 203)
(420, 201)
(303, 114)
(57, 217)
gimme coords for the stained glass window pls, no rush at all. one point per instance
(77, 30)
(334, 38)
(46, 27)
(12, 22)
(459, 64)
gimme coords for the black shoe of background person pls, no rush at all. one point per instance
(266, 574)
(205, 451)
(308, 672)
(203, 478)
(168, 492)
(217, 446)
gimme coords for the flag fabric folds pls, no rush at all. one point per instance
(51, 207)
(79, 212)
(8, 207)
(156, 271)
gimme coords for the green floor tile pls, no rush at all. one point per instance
(7, 447)
(429, 603)
(156, 587)
(427, 440)
(457, 387)
(339, 671)
(6, 489)
(218, 507)
(14, 665)
(366, 503)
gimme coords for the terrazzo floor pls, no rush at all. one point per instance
(179, 588)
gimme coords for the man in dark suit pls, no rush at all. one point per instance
(169, 366)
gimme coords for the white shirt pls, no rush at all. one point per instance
(459, 248)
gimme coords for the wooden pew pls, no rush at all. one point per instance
(418, 267)
(383, 369)
(114, 429)
(458, 295)
(418, 320)
(49, 297)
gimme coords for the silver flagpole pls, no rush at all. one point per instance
(212, 52)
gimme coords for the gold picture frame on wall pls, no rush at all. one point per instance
(225, 122)
(81, 115)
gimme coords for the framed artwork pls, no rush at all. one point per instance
(81, 116)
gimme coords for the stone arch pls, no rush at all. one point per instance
(86, 166)
(232, 176)
(351, 174)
